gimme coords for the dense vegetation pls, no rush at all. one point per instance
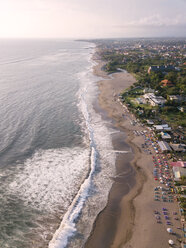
(137, 63)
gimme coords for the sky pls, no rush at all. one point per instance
(92, 18)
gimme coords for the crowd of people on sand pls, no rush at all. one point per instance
(164, 190)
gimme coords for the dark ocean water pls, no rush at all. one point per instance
(41, 134)
(55, 163)
(38, 96)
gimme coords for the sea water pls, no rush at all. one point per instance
(56, 155)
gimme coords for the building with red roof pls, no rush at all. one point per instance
(166, 82)
(179, 164)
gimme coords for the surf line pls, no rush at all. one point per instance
(67, 228)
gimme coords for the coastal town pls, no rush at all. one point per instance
(155, 106)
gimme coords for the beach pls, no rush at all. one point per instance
(128, 219)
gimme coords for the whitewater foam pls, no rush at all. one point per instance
(96, 187)
(51, 177)
(67, 227)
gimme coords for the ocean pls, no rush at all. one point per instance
(56, 154)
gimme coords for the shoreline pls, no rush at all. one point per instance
(119, 212)
(128, 219)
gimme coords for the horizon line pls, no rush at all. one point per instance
(93, 38)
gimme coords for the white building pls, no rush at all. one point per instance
(154, 100)
(163, 127)
(164, 146)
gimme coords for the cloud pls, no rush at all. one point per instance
(156, 21)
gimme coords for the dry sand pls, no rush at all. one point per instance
(128, 220)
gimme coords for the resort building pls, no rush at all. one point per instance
(164, 146)
(165, 135)
(163, 127)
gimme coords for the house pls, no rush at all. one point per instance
(157, 101)
(166, 83)
(150, 122)
(164, 146)
(178, 147)
(163, 127)
(148, 95)
(165, 135)
(154, 100)
(178, 172)
(161, 68)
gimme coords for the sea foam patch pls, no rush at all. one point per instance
(51, 177)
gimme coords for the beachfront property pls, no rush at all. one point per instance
(164, 146)
(165, 135)
(163, 127)
(178, 147)
(161, 68)
(178, 172)
(154, 100)
(179, 169)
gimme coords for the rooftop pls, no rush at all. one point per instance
(164, 146)
(179, 164)
(165, 135)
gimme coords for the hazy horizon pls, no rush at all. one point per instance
(81, 19)
(91, 38)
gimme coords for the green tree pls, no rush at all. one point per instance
(171, 76)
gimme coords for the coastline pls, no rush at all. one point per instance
(128, 219)
(113, 226)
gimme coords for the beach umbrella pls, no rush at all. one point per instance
(171, 242)
(169, 230)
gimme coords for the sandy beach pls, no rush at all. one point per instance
(128, 218)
